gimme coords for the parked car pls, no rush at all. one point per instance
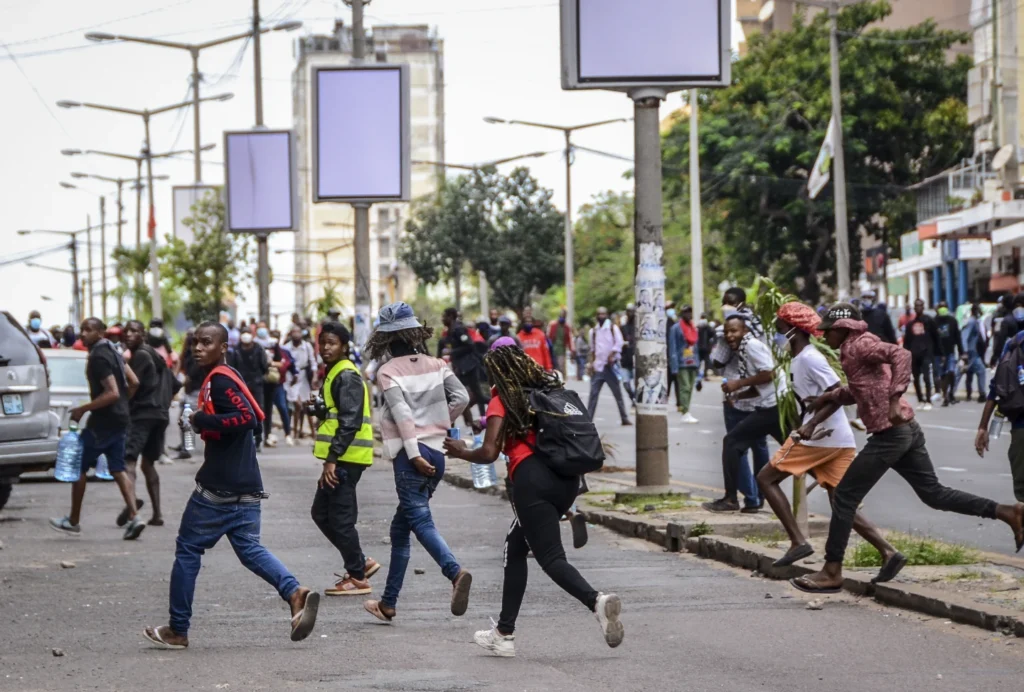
(69, 387)
(28, 428)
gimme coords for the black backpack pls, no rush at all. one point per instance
(567, 440)
(1006, 383)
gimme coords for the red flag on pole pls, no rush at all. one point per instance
(152, 223)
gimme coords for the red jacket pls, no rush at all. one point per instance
(536, 346)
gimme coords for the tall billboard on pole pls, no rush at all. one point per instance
(647, 48)
(184, 198)
(260, 181)
(361, 134)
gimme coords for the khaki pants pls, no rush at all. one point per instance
(685, 379)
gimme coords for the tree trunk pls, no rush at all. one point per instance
(457, 281)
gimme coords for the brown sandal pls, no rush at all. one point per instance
(373, 608)
(153, 635)
(304, 620)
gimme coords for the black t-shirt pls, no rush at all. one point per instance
(103, 362)
(628, 344)
(148, 402)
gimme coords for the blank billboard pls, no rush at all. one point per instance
(668, 43)
(185, 197)
(260, 181)
(361, 133)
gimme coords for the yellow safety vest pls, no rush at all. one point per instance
(361, 449)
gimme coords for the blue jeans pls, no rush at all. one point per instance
(202, 525)
(413, 517)
(746, 481)
(975, 366)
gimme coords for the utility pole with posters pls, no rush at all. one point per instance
(647, 50)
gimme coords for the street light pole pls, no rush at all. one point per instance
(88, 250)
(696, 230)
(839, 161)
(103, 258)
(364, 305)
(157, 305)
(262, 239)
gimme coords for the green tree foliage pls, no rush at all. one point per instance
(524, 253)
(904, 119)
(504, 226)
(445, 228)
(213, 266)
(330, 298)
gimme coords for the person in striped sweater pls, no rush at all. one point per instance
(422, 399)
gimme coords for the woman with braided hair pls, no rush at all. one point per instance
(539, 497)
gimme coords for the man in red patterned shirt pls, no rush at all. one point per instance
(877, 376)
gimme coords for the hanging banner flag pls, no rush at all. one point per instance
(821, 173)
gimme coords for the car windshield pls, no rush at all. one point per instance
(67, 373)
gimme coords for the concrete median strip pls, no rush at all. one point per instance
(677, 535)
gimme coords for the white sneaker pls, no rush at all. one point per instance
(607, 611)
(164, 459)
(495, 642)
(688, 418)
(936, 397)
(270, 442)
(289, 440)
(926, 407)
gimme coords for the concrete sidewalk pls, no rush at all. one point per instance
(689, 623)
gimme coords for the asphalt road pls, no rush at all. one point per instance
(695, 458)
(690, 624)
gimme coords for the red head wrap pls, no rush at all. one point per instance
(803, 317)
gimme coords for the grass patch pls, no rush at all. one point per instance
(767, 538)
(965, 575)
(918, 550)
(700, 529)
(660, 502)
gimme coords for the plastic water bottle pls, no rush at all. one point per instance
(484, 475)
(69, 456)
(995, 428)
(188, 435)
(102, 470)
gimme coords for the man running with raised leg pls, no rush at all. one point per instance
(878, 375)
(826, 455)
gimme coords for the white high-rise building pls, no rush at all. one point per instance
(327, 225)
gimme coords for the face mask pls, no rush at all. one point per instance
(728, 310)
(670, 313)
(156, 332)
(943, 312)
(246, 338)
(527, 328)
(262, 333)
(1018, 314)
(702, 323)
(782, 341)
(35, 323)
(561, 320)
(866, 304)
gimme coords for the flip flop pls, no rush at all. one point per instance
(156, 639)
(304, 620)
(373, 608)
(793, 554)
(796, 582)
(460, 592)
(890, 569)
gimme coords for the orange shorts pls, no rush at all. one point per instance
(826, 464)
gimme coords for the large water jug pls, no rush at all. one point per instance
(484, 475)
(69, 456)
(102, 470)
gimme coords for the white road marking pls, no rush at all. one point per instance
(952, 469)
(933, 426)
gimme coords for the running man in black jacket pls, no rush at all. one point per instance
(226, 501)
(922, 340)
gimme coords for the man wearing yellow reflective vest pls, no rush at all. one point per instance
(344, 441)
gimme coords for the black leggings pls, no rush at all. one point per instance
(922, 365)
(539, 498)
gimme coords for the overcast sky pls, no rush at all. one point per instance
(501, 58)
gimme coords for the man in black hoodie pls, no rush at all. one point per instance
(1007, 324)
(250, 360)
(922, 340)
(226, 501)
(876, 315)
(949, 347)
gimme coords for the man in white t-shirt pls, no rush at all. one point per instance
(757, 385)
(830, 449)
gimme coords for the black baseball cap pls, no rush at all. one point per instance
(839, 311)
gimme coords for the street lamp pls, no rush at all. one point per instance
(570, 288)
(139, 160)
(72, 246)
(193, 50)
(146, 114)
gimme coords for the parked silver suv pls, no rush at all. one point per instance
(28, 429)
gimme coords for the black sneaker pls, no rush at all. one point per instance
(722, 505)
(751, 509)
